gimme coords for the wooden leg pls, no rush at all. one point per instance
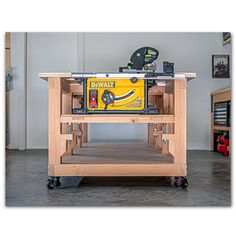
(180, 121)
(165, 145)
(54, 126)
(66, 108)
(71, 144)
(76, 139)
(158, 139)
(84, 132)
(80, 135)
(151, 138)
(167, 109)
(170, 127)
(158, 101)
(56, 139)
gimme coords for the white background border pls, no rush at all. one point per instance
(108, 15)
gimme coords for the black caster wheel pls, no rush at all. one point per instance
(54, 182)
(50, 184)
(57, 182)
(179, 182)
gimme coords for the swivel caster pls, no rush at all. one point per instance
(179, 182)
(50, 184)
(53, 182)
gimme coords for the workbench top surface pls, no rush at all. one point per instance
(68, 75)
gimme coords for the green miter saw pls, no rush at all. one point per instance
(142, 59)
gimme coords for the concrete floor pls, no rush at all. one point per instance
(209, 176)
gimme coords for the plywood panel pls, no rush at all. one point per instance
(117, 152)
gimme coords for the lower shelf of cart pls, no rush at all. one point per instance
(117, 153)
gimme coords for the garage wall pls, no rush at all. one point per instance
(191, 52)
(106, 52)
(46, 52)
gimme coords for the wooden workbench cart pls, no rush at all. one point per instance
(70, 153)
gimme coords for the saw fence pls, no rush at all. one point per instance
(70, 153)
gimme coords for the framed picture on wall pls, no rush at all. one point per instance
(220, 66)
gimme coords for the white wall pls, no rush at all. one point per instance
(106, 52)
(46, 52)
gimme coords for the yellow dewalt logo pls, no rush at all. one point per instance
(102, 84)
